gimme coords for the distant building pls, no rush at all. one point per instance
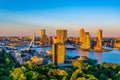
(42, 33)
(37, 60)
(76, 40)
(58, 53)
(117, 43)
(86, 41)
(55, 40)
(20, 37)
(50, 40)
(61, 35)
(99, 38)
(43, 37)
(82, 34)
(98, 45)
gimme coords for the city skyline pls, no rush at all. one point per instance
(20, 18)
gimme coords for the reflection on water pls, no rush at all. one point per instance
(98, 56)
(112, 56)
(84, 53)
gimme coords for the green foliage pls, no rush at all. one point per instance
(75, 74)
(78, 64)
(6, 64)
(42, 77)
(81, 78)
(102, 77)
(58, 73)
(31, 75)
(18, 73)
(116, 77)
(4, 78)
(88, 70)
(29, 65)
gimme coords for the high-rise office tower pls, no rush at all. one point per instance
(86, 41)
(33, 38)
(61, 35)
(98, 45)
(43, 36)
(99, 38)
(42, 33)
(116, 43)
(55, 40)
(58, 53)
(82, 34)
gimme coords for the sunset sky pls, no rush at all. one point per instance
(23, 17)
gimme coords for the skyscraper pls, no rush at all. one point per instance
(98, 45)
(42, 33)
(58, 53)
(55, 40)
(82, 34)
(61, 35)
(43, 36)
(86, 41)
(117, 42)
(99, 36)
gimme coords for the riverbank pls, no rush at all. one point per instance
(102, 50)
(91, 50)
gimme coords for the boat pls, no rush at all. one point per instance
(70, 47)
(45, 45)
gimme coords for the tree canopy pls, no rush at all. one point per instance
(90, 70)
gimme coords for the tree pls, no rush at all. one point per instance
(42, 77)
(6, 64)
(29, 65)
(31, 75)
(18, 73)
(102, 77)
(75, 74)
(58, 73)
(116, 77)
(78, 64)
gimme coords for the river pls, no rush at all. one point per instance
(112, 56)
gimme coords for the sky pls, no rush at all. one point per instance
(23, 17)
